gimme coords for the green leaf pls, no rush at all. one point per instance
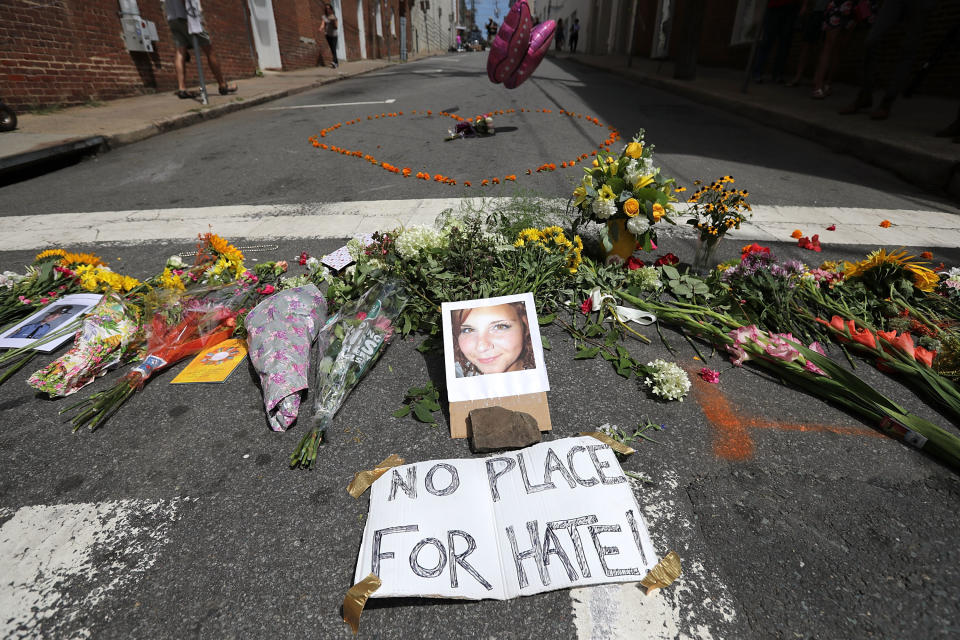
(422, 413)
(401, 412)
(586, 354)
(670, 272)
(623, 353)
(609, 357)
(431, 404)
(426, 345)
(617, 184)
(545, 320)
(546, 342)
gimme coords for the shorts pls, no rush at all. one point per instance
(182, 38)
(811, 27)
(844, 14)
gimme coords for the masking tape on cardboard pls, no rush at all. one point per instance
(619, 447)
(363, 479)
(356, 598)
(663, 575)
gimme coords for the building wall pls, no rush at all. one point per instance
(433, 25)
(569, 10)
(68, 52)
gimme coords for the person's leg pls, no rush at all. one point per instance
(767, 39)
(214, 63)
(914, 19)
(887, 19)
(786, 21)
(825, 62)
(332, 43)
(180, 64)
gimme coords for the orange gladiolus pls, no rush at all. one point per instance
(924, 355)
(903, 342)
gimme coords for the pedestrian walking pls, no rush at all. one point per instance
(912, 15)
(574, 35)
(180, 21)
(840, 19)
(491, 30)
(560, 35)
(331, 29)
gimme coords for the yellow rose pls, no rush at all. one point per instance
(643, 181)
(658, 212)
(634, 150)
(632, 207)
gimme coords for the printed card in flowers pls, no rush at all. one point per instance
(214, 364)
(627, 188)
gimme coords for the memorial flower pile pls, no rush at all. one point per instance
(479, 126)
(627, 187)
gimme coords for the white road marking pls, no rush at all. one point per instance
(343, 219)
(331, 104)
(624, 611)
(48, 572)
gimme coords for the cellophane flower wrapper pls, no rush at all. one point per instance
(177, 325)
(108, 337)
(349, 343)
(280, 331)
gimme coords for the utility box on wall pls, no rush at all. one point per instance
(138, 34)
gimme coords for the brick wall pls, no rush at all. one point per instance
(63, 52)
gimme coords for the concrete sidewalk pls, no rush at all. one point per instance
(107, 125)
(904, 143)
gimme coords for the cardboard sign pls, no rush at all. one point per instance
(555, 515)
(341, 257)
(47, 321)
(214, 364)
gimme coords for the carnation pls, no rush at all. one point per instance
(667, 380)
(638, 225)
(604, 208)
(645, 278)
(9, 278)
(417, 238)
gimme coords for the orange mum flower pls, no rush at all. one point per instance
(466, 183)
(484, 182)
(885, 224)
(796, 234)
(926, 255)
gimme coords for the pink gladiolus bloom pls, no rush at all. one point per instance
(740, 355)
(809, 366)
(745, 335)
(924, 355)
(709, 375)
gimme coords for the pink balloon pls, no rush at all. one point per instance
(509, 47)
(540, 39)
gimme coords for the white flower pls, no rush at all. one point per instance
(294, 281)
(10, 278)
(175, 262)
(603, 209)
(668, 380)
(355, 247)
(633, 170)
(645, 278)
(416, 238)
(954, 272)
(638, 225)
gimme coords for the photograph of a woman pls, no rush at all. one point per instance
(492, 339)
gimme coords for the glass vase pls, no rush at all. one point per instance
(703, 259)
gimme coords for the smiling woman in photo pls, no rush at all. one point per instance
(492, 339)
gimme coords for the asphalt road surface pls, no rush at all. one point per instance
(180, 519)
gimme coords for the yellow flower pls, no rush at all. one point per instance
(606, 193)
(579, 195)
(923, 278)
(49, 253)
(634, 150)
(80, 258)
(643, 181)
(632, 207)
(658, 212)
(595, 163)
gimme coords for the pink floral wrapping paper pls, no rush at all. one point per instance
(280, 331)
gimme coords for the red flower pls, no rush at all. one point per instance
(832, 227)
(903, 342)
(750, 249)
(362, 315)
(587, 306)
(633, 263)
(924, 355)
(864, 337)
(266, 290)
(813, 244)
(668, 258)
(303, 258)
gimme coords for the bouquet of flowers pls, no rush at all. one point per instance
(52, 275)
(109, 335)
(279, 333)
(349, 344)
(627, 188)
(479, 126)
(178, 325)
(715, 208)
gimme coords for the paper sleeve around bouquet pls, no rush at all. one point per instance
(280, 331)
(510, 44)
(106, 338)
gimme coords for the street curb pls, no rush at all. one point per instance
(181, 121)
(107, 142)
(923, 169)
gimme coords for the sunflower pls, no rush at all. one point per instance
(50, 253)
(80, 258)
(879, 261)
